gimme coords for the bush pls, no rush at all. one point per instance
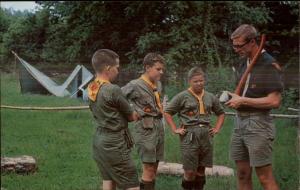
(290, 99)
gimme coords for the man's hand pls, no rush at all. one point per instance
(134, 116)
(180, 131)
(235, 101)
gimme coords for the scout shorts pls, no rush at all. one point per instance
(196, 148)
(252, 139)
(113, 158)
(149, 139)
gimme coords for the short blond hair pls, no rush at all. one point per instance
(195, 71)
(245, 30)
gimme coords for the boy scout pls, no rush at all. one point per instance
(144, 94)
(111, 111)
(194, 107)
(254, 132)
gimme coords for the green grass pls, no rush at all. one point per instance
(61, 143)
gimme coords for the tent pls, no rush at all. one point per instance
(36, 82)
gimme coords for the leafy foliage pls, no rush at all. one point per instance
(187, 33)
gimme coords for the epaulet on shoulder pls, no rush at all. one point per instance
(135, 81)
(93, 89)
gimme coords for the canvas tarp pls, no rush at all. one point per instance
(34, 81)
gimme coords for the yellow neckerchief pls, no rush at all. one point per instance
(94, 87)
(154, 88)
(200, 100)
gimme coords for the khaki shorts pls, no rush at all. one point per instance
(149, 139)
(252, 139)
(113, 158)
(196, 148)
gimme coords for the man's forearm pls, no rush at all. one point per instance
(271, 101)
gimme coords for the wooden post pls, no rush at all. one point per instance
(176, 169)
(21, 165)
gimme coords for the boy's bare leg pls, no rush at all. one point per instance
(108, 185)
(134, 188)
(156, 166)
(148, 176)
(149, 171)
(189, 175)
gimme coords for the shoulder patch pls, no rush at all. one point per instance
(93, 89)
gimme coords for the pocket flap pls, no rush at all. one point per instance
(147, 122)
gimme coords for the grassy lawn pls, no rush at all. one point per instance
(61, 143)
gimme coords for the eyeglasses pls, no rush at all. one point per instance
(242, 45)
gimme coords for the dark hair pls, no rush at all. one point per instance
(151, 58)
(103, 58)
(194, 72)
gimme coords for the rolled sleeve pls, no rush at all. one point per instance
(217, 106)
(128, 91)
(121, 102)
(272, 81)
(174, 105)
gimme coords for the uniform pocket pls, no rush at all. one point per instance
(191, 109)
(262, 125)
(147, 122)
(191, 106)
(186, 138)
(271, 127)
(145, 100)
(141, 131)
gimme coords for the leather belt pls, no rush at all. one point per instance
(245, 114)
(198, 125)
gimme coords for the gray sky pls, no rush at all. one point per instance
(19, 5)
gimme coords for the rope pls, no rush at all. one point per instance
(87, 107)
(273, 115)
(46, 108)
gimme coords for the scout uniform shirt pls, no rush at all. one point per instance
(109, 107)
(149, 131)
(264, 79)
(188, 108)
(144, 97)
(112, 140)
(196, 144)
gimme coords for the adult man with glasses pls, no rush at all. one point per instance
(254, 132)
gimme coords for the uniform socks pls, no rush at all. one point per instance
(199, 183)
(147, 185)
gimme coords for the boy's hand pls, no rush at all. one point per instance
(136, 116)
(180, 131)
(214, 131)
